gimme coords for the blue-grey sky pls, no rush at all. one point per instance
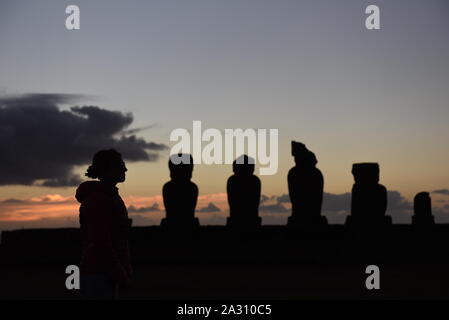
(307, 68)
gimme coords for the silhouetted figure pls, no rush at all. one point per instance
(243, 190)
(423, 210)
(104, 223)
(180, 193)
(305, 188)
(369, 198)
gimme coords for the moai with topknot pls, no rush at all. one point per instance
(305, 188)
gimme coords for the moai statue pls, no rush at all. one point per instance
(180, 193)
(423, 210)
(243, 190)
(369, 198)
(305, 187)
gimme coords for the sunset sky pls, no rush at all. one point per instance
(307, 68)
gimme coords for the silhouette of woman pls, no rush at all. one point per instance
(105, 261)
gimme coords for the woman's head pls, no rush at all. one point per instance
(107, 166)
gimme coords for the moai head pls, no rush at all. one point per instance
(366, 173)
(304, 158)
(243, 165)
(422, 204)
(180, 166)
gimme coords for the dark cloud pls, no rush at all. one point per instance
(285, 198)
(275, 219)
(42, 143)
(336, 202)
(72, 180)
(209, 208)
(264, 198)
(39, 99)
(137, 130)
(267, 205)
(441, 191)
(12, 200)
(153, 208)
(139, 220)
(397, 203)
(213, 219)
(273, 208)
(441, 215)
(336, 207)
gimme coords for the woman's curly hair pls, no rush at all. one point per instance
(101, 162)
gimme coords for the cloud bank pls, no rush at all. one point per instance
(41, 143)
(444, 192)
(211, 207)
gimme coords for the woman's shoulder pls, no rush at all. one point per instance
(89, 190)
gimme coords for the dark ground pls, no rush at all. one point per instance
(242, 282)
(215, 263)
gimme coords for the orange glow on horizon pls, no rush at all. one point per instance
(54, 206)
